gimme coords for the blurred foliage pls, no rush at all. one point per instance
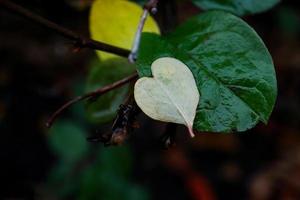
(115, 22)
(104, 108)
(289, 20)
(84, 172)
(238, 7)
(108, 177)
(67, 141)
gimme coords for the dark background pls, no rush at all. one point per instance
(39, 71)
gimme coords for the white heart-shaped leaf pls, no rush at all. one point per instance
(171, 95)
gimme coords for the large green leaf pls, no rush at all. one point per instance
(233, 69)
(104, 108)
(239, 7)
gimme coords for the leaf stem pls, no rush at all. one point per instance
(191, 131)
(92, 94)
(79, 41)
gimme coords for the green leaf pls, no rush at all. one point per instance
(68, 141)
(115, 22)
(233, 69)
(238, 7)
(109, 177)
(104, 108)
(164, 97)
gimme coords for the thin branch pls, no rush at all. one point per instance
(79, 41)
(150, 6)
(82, 42)
(93, 94)
(135, 47)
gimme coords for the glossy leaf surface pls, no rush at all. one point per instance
(233, 69)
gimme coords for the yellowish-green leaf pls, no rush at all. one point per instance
(171, 95)
(115, 22)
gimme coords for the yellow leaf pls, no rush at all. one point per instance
(115, 22)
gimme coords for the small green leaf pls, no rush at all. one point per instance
(171, 95)
(233, 69)
(68, 141)
(104, 108)
(238, 7)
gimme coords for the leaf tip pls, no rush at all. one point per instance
(190, 128)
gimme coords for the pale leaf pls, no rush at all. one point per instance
(171, 95)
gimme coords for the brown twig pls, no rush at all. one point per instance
(79, 41)
(82, 42)
(93, 94)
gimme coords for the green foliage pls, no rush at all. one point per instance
(233, 69)
(104, 108)
(67, 141)
(116, 160)
(238, 7)
(108, 177)
(85, 173)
